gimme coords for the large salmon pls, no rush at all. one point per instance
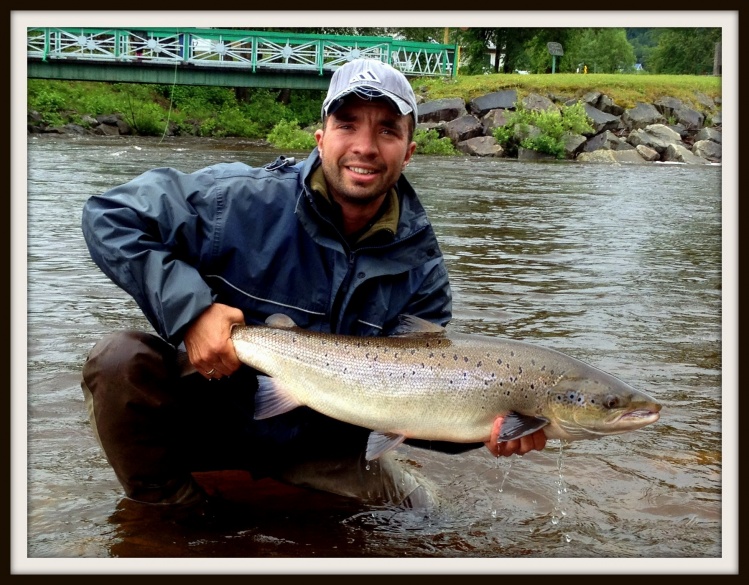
(427, 383)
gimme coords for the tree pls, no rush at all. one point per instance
(686, 51)
(603, 50)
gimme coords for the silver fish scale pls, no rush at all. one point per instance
(440, 387)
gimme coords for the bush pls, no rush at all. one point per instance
(429, 142)
(553, 125)
(288, 135)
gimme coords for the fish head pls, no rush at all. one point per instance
(587, 403)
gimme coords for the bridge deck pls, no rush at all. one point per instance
(220, 57)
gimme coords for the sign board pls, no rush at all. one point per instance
(555, 49)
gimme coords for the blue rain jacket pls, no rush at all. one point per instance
(255, 238)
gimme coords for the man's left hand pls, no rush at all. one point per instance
(533, 442)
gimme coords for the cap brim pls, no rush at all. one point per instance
(370, 92)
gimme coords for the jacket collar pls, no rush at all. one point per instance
(412, 216)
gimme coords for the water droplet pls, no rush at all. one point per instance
(554, 520)
(567, 538)
(494, 513)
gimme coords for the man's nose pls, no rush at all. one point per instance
(365, 141)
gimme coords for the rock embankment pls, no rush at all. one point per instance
(667, 130)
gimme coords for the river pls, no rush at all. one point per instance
(619, 266)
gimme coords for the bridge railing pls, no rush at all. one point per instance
(225, 48)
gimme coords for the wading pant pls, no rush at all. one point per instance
(156, 426)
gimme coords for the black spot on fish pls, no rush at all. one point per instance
(478, 365)
(455, 357)
(499, 361)
(465, 359)
(532, 387)
(431, 354)
(533, 362)
(413, 351)
(520, 370)
(512, 353)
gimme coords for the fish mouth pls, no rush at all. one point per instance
(631, 420)
(644, 413)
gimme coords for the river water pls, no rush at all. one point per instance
(620, 266)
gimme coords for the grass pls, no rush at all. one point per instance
(625, 89)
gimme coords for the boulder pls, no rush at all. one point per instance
(494, 119)
(536, 102)
(441, 110)
(612, 157)
(463, 128)
(680, 153)
(642, 115)
(707, 149)
(601, 121)
(656, 136)
(505, 99)
(709, 134)
(481, 146)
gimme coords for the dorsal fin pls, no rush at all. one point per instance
(280, 321)
(410, 325)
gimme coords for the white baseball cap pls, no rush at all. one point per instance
(370, 79)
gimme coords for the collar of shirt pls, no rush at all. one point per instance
(382, 226)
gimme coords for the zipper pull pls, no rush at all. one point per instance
(280, 163)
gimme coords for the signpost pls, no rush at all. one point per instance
(555, 50)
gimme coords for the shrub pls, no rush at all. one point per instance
(553, 125)
(429, 142)
(288, 135)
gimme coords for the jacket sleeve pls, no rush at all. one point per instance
(150, 237)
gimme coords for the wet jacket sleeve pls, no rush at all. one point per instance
(150, 237)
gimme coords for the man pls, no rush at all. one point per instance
(339, 242)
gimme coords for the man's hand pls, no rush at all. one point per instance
(521, 446)
(208, 341)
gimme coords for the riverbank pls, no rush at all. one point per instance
(466, 110)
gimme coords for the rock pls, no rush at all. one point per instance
(463, 128)
(442, 110)
(536, 102)
(605, 140)
(573, 144)
(647, 153)
(526, 154)
(481, 146)
(106, 130)
(680, 153)
(667, 106)
(612, 157)
(642, 115)
(709, 134)
(656, 136)
(601, 121)
(505, 99)
(607, 106)
(494, 119)
(691, 119)
(707, 149)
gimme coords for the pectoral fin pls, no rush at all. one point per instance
(380, 443)
(517, 425)
(272, 399)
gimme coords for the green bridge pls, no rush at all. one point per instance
(221, 57)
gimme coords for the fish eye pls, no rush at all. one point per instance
(611, 401)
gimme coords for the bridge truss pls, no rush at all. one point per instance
(227, 50)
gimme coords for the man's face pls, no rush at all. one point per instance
(364, 147)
